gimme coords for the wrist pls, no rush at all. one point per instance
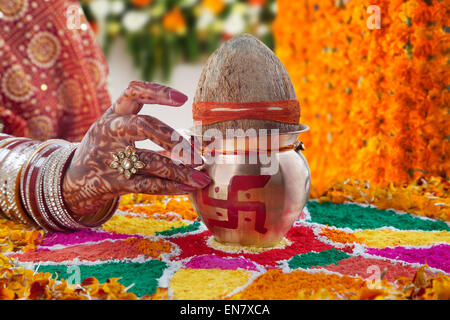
(88, 209)
(73, 188)
(65, 197)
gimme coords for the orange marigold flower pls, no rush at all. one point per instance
(6, 294)
(141, 3)
(216, 6)
(257, 2)
(174, 21)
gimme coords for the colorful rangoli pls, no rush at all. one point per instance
(156, 248)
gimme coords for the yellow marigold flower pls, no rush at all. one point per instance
(216, 6)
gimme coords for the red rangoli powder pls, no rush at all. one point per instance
(106, 250)
(363, 267)
(302, 238)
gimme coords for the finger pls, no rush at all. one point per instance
(155, 185)
(139, 93)
(176, 157)
(148, 127)
(164, 167)
(164, 153)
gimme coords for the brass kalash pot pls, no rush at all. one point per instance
(256, 193)
(246, 122)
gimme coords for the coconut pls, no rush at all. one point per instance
(244, 69)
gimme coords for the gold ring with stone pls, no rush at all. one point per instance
(127, 162)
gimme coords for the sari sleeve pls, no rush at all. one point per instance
(52, 89)
(52, 72)
(11, 123)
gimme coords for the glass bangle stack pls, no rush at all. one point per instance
(31, 176)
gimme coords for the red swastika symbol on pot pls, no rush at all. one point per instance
(233, 205)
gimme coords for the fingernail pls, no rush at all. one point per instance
(186, 188)
(201, 178)
(178, 97)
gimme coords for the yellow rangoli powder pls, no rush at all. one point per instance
(390, 238)
(131, 225)
(202, 284)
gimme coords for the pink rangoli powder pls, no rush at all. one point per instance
(78, 237)
(437, 256)
(210, 261)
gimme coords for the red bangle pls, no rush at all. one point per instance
(4, 136)
(101, 216)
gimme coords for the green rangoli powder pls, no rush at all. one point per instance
(313, 259)
(357, 217)
(144, 275)
(192, 227)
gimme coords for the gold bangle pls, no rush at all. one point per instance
(4, 165)
(54, 170)
(4, 143)
(21, 212)
(22, 187)
(12, 166)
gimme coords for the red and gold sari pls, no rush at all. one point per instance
(52, 76)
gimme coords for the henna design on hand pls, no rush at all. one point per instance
(90, 182)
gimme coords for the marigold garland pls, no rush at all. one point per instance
(15, 236)
(376, 100)
(428, 197)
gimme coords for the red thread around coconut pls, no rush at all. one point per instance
(208, 112)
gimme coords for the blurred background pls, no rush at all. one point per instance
(371, 77)
(167, 41)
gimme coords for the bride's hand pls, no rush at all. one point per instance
(91, 181)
